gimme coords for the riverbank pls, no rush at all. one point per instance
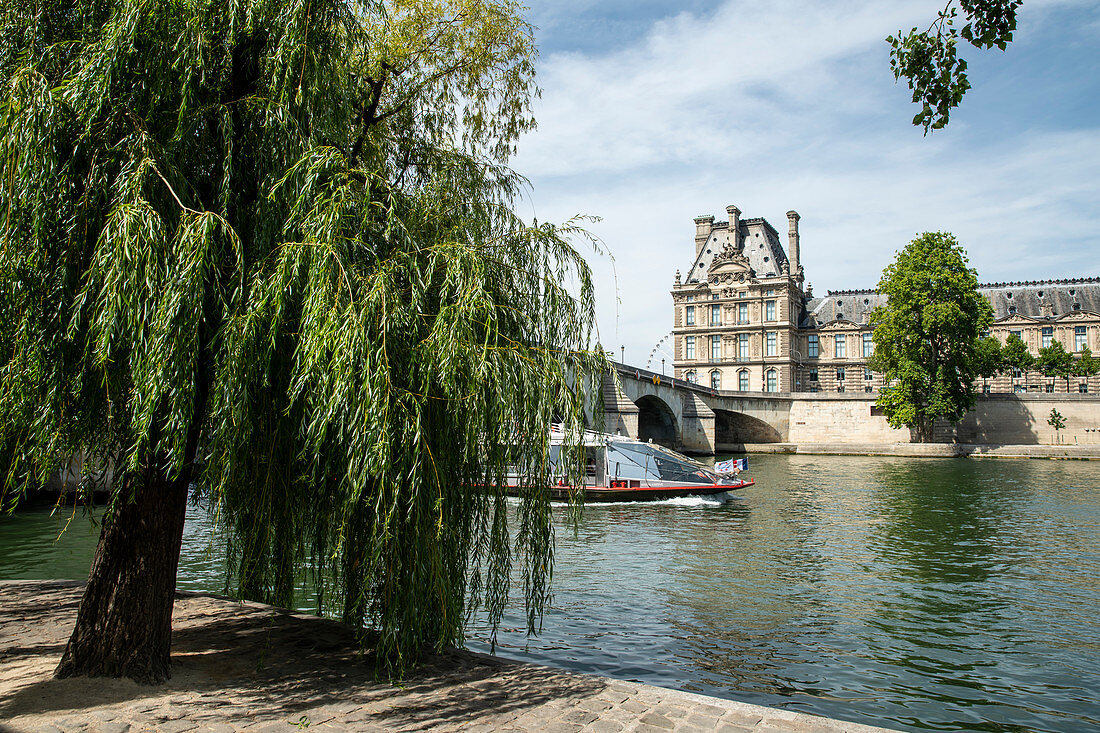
(246, 666)
(1089, 452)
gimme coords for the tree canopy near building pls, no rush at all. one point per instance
(268, 250)
(1016, 354)
(927, 335)
(1086, 365)
(1055, 361)
(988, 357)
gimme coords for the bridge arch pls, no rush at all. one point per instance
(657, 421)
(736, 427)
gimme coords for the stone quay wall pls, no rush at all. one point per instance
(997, 419)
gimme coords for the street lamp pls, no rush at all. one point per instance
(622, 354)
(662, 367)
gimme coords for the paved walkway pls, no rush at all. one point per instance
(247, 666)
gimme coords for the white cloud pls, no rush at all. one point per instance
(783, 105)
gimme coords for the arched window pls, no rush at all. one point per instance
(716, 379)
(743, 380)
(773, 381)
(690, 376)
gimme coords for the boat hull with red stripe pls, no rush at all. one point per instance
(597, 494)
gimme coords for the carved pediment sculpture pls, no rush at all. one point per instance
(731, 259)
(840, 324)
(1016, 318)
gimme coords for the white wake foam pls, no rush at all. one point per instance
(685, 501)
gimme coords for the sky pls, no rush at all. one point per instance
(653, 113)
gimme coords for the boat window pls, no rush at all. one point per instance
(595, 466)
(657, 462)
(560, 463)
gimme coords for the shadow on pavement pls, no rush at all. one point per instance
(230, 660)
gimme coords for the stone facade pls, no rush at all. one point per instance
(745, 320)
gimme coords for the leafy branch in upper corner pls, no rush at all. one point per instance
(929, 59)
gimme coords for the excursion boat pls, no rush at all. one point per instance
(618, 468)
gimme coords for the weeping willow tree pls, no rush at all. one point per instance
(264, 251)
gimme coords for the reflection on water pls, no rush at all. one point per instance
(911, 593)
(47, 542)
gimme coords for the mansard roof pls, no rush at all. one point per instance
(759, 244)
(1043, 299)
(1038, 300)
(842, 305)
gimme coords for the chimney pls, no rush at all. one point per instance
(703, 227)
(735, 225)
(792, 239)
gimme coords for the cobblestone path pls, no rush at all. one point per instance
(246, 666)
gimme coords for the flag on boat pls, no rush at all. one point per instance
(733, 464)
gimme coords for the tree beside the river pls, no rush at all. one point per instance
(268, 251)
(927, 335)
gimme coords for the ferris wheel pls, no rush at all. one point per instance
(662, 350)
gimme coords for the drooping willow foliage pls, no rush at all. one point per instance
(272, 242)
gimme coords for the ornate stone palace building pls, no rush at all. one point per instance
(745, 320)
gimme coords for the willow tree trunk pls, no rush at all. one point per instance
(124, 624)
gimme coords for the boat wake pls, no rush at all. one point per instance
(684, 501)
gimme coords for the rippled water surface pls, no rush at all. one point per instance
(910, 593)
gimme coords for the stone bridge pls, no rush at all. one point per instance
(691, 417)
(697, 419)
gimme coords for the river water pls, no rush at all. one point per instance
(918, 594)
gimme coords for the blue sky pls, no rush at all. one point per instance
(655, 112)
